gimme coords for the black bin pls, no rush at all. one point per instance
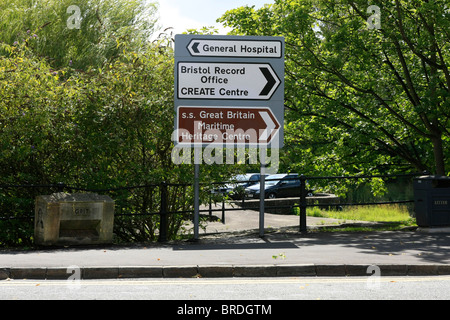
(432, 201)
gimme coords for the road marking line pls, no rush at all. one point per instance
(208, 281)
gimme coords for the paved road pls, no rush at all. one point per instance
(243, 220)
(321, 254)
(243, 254)
(269, 289)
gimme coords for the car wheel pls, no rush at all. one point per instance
(271, 196)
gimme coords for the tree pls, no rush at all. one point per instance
(375, 94)
(79, 33)
(96, 130)
(103, 121)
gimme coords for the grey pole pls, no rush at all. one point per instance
(303, 204)
(197, 159)
(262, 195)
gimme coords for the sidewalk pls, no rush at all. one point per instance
(242, 253)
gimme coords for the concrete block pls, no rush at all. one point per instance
(357, 270)
(100, 273)
(72, 219)
(28, 273)
(215, 271)
(296, 270)
(58, 273)
(255, 271)
(140, 272)
(180, 271)
(423, 270)
(393, 270)
(4, 273)
(444, 270)
(330, 270)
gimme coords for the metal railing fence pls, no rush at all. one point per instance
(157, 200)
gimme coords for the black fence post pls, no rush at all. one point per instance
(210, 205)
(61, 186)
(163, 218)
(223, 210)
(303, 204)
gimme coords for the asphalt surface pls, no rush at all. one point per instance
(235, 249)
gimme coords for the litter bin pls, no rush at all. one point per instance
(62, 219)
(432, 201)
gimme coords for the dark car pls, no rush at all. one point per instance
(237, 190)
(277, 186)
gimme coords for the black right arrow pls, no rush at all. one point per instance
(271, 81)
(195, 47)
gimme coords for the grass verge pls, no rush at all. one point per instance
(394, 216)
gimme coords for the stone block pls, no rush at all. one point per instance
(100, 272)
(296, 270)
(140, 272)
(423, 270)
(255, 271)
(71, 219)
(215, 271)
(28, 273)
(4, 273)
(330, 270)
(180, 271)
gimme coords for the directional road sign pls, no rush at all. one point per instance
(226, 125)
(240, 79)
(235, 48)
(243, 81)
(229, 90)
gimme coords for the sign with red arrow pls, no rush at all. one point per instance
(224, 81)
(226, 125)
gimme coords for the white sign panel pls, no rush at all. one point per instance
(243, 81)
(235, 48)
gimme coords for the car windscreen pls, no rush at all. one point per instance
(240, 180)
(274, 179)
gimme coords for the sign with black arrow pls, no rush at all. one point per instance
(229, 91)
(230, 73)
(242, 81)
(235, 48)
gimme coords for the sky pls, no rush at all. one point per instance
(195, 14)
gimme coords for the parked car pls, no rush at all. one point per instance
(237, 187)
(278, 186)
(237, 190)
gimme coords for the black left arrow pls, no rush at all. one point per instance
(271, 81)
(195, 47)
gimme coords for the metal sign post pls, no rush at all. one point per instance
(197, 155)
(196, 200)
(229, 91)
(262, 196)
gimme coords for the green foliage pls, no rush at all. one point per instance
(202, 31)
(103, 23)
(105, 128)
(103, 121)
(381, 213)
(358, 99)
(93, 108)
